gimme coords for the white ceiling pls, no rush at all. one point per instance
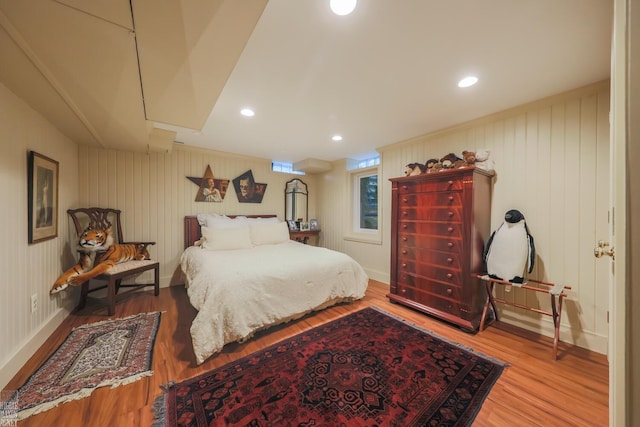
(385, 73)
(388, 71)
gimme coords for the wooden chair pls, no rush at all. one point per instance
(102, 218)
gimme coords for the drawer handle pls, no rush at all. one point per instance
(450, 183)
(449, 260)
(404, 238)
(405, 213)
(449, 275)
(450, 244)
(404, 252)
(404, 265)
(450, 214)
(404, 187)
(451, 198)
(404, 226)
(449, 291)
(404, 291)
(450, 229)
(405, 200)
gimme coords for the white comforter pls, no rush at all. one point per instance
(242, 291)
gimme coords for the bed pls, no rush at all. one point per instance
(241, 286)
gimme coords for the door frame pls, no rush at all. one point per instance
(624, 341)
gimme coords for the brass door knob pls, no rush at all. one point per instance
(603, 249)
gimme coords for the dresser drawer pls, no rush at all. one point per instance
(431, 228)
(429, 299)
(450, 260)
(428, 213)
(443, 184)
(406, 240)
(454, 293)
(444, 277)
(440, 199)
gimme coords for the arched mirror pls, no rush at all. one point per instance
(296, 201)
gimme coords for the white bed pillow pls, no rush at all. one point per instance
(269, 233)
(203, 217)
(213, 220)
(224, 222)
(224, 239)
(266, 220)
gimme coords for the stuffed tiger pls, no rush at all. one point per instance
(97, 249)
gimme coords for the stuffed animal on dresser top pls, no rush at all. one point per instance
(483, 161)
(469, 158)
(432, 165)
(413, 169)
(451, 161)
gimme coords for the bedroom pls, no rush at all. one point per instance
(165, 192)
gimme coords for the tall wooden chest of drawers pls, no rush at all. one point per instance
(439, 225)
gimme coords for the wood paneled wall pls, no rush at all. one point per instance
(29, 269)
(552, 163)
(154, 194)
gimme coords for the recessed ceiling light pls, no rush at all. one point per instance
(342, 7)
(336, 138)
(247, 112)
(468, 81)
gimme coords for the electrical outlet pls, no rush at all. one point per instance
(34, 303)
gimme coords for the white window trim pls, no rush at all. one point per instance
(355, 233)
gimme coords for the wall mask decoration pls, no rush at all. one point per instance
(247, 189)
(209, 188)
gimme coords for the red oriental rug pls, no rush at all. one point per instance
(365, 369)
(108, 353)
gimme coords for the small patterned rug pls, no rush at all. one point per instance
(368, 368)
(108, 353)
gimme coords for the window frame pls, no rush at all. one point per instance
(354, 232)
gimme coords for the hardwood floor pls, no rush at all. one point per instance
(533, 391)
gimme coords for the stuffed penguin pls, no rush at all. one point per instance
(510, 248)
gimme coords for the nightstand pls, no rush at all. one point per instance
(303, 236)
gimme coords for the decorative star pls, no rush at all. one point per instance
(215, 194)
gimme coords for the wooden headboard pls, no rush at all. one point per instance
(192, 227)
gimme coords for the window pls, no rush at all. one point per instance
(285, 168)
(364, 225)
(364, 163)
(367, 187)
(365, 207)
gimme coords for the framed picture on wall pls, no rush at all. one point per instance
(247, 189)
(42, 197)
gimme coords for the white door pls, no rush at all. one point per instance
(617, 220)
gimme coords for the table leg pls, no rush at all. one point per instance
(556, 312)
(493, 303)
(489, 300)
